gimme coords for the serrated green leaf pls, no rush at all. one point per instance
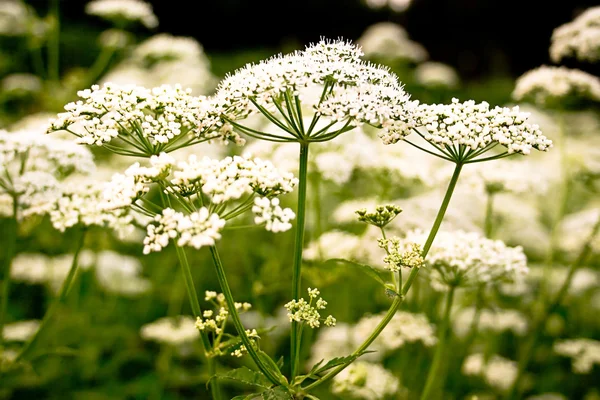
(247, 376)
(366, 269)
(334, 362)
(277, 393)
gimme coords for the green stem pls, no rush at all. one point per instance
(99, 65)
(489, 215)
(54, 43)
(411, 277)
(10, 245)
(191, 291)
(57, 302)
(539, 323)
(432, 376)
(298, 248)
(237, 322)
(214, 386)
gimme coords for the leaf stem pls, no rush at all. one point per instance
(10, 246)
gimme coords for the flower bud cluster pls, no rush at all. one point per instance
(382, 215)
(305, 312)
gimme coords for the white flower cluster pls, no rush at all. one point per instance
(175, 331)
(84, 203)
(405, 327)
(575, 229)
(579, 38)
(214, 320)
(461, 258)
(21, 83)
(505, 176)
(436, 75)
(497, 321)
(333, 244)
(583, 352)
(305, 312)
(498, 372)
(123, 10)
(198, 229)
(335, 63)
(583, 280)
(165, 59)
(120, 274)
(365, 380)
(396, 5)
(559, 87)
(14, 18)
(269, 212)
(20, 331)
(401, 254)
(157, 115)
(231, 178)
(475, 126)
(386, 40)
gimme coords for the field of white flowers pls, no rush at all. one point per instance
(336, 222)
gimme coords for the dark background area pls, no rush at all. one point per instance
(480, 38)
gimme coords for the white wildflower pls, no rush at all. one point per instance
(364, 380)
(123, 10)
(583, 352)
(466, 258)
(496, 321)
(498, 372)
(558, 87)
(389, 41)
(268, 212)
(575, 229)
(579, 38)
(174, 331)
(436, 75)
(20, 331)
(117, 273)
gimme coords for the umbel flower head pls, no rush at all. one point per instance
(463, 259)
(365, 380)
(328, 81)
(119, 11)
(142, 122)
(579, 38)
(462, 132)
(308, 311)
(208, 191)
(382, 215)
(558, 87)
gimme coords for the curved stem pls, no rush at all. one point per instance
(10, 245)
(489, 215)
(237, 322)
(298, 247)
(60, 299)
(432, 375)
(538, 324)
(411, 277)
(99, 65)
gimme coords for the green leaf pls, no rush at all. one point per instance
(334, 362)
(247, 376)
(277, 393)
(366, 269)
(280, 363)
(252, 396)
(272, 366)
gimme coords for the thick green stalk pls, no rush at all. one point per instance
(298, 247)
(489, 215)
(99, 65)
(237, 322)
(212, 370)
(539, 323)
(56, 303)
(10, 245)
(191, 291)
(432, 375)
(411, 277)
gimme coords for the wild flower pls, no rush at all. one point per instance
(364, 380)
(120, 274)
(20, 331)
(576, 228)
(463, 131)
(382, 215)
(498, 372)
(174, 331)
(490, 320)
(306, 312)
(389, 41)
(459, 259)
(585, 353)
(436, 75)
(558, 87)
(123, 10)
(579, 38)
(401, 254)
